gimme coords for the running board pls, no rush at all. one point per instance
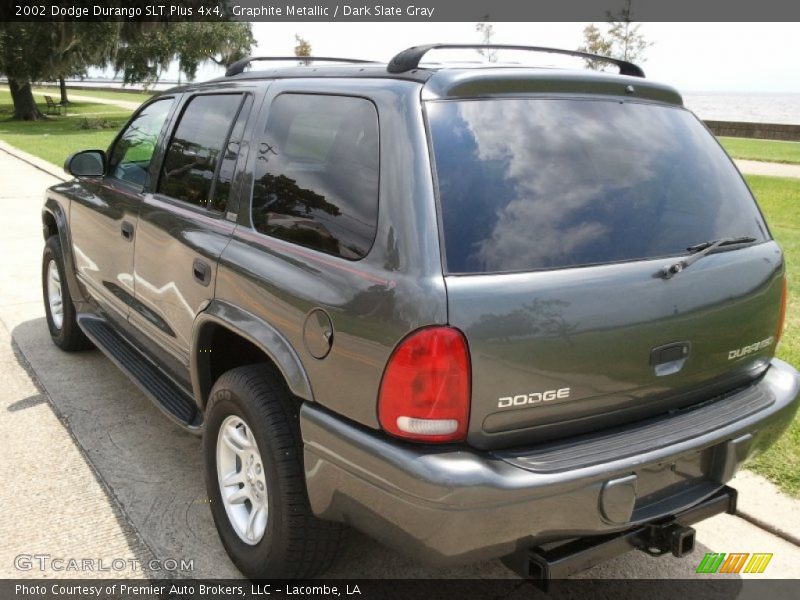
(167, 395)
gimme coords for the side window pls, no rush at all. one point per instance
(316, 178)
(195, 150)
(131, 155)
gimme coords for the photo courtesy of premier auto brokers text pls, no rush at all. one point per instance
(460, 300)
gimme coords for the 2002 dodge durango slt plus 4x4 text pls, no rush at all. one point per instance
(474, 311)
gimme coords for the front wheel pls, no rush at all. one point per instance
(59, 309)
(254, 476)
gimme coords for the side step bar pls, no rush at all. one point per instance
(671, 534)
(167, 395)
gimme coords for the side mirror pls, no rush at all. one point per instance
(88, 163)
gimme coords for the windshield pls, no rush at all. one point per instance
(529, 184)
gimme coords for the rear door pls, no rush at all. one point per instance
(187, 222)
(558, 216)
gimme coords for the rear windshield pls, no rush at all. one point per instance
(529, 184)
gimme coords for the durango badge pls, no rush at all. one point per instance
(742, 352)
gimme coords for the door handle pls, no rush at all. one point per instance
(201, 271)
(669, 359)
(127, 230)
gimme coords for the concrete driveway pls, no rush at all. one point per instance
(93, 469)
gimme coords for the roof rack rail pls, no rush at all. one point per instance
(240, 65)
(410, 58)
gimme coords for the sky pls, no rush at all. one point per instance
(726, 57)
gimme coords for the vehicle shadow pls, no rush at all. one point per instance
(153, 472)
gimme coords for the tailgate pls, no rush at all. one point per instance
(564, 352)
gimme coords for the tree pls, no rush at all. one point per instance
(145, 50)
(36, 51)
(487, 31)
(303, 47)
(81, 46)
(596, 43)
(24, 58)
(622, 38)
(140, 51)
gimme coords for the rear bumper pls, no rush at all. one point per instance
(446, 505)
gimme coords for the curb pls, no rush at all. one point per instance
(769, 528)
(764, 505)
(34, 161)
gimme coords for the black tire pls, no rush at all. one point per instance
(295, 544)
(68, 336)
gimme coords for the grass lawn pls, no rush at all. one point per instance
(766, 150)
(59, 136)
(780, 200)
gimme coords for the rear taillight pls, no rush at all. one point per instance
(782, 313)
(425, 392)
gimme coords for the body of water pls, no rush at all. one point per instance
(748, 107)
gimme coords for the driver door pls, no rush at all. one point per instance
(104, 211)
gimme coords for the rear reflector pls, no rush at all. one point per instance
(425, 392)
(782, 313)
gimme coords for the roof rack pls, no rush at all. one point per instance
(410, 58)
(240, 65)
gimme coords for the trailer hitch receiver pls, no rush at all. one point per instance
(670, 534)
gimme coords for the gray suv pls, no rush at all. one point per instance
(477, 311)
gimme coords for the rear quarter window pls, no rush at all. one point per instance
(317, 172)
(531, 184)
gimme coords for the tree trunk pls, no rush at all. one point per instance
(63, 86)
(25, 108)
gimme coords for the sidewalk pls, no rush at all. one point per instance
(95, 100)
(757, 167)
(52, 502)
(92, 468)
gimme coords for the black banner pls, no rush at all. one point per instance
(396, 10)
(703, 588)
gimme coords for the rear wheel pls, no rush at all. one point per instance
(58, 306)
(254, 476)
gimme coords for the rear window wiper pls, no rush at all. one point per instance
(698, 251)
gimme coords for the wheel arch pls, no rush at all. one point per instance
(55, 222)
(54, 219)
(250, 338)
